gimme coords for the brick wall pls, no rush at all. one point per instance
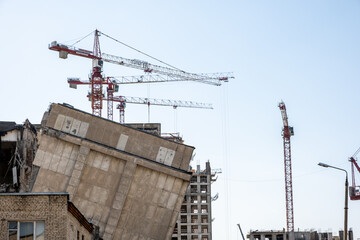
(51, 208)
(74, 226)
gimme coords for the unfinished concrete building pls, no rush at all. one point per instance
(298, 235)
(128, 182)
(41, 216)
(194, 221)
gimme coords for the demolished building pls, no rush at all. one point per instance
(128, 182)
(18, 145)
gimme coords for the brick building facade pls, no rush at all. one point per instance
(41, 216)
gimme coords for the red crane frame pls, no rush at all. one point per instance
(287, 133)
(354, 190)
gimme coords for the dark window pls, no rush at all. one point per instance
(193, 179)
(26, 230)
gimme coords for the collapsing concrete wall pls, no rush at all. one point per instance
(128, 182)
(18, 146)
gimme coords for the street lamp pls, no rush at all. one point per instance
(346, 197)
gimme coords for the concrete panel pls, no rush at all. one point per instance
(99, 135)
(97, 160)
(161, 181)
(178, 156)
(90, 209)
(177, 186)
(138, 208)
(172, 201)
(98, 212)
(166, 217)
(69, 168)
(91, 176)
(161, 155)
(150, 212)
(105, 214)
(59, 148)
(122, 142)
(113, 138)
(74, 152)
(164, 198)
(59, 122)
(51, 145)
(156, 196)
(186, 157)
(169, 183)
(84, 126)
(101, 178)
(47, 160)
(170, 154)
(105, 163)
(159, 214)
(98, 195)
(67, 124)
(54, 163)
(38, 161)
(112, 181)
(153, 178)
(90, 158)
(66, 153)
(75, 127)
(62, 165)
(106, 137)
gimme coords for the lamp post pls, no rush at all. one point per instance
(346, 198)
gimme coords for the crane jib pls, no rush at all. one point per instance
(97, 80)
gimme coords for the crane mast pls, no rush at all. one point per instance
(287, 132)
(96, 78)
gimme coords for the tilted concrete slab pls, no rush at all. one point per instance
(129, 182)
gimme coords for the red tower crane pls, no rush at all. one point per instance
(97, 79)
(354, 190)
(287, 132)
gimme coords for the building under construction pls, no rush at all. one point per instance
(194, 221)
(298, 235)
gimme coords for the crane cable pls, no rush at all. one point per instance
(225, 149)
(140, 51)
(82, 39)
(356, 153)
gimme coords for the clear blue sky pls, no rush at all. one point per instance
(306, 53)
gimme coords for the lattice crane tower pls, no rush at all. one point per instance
(287, 132)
